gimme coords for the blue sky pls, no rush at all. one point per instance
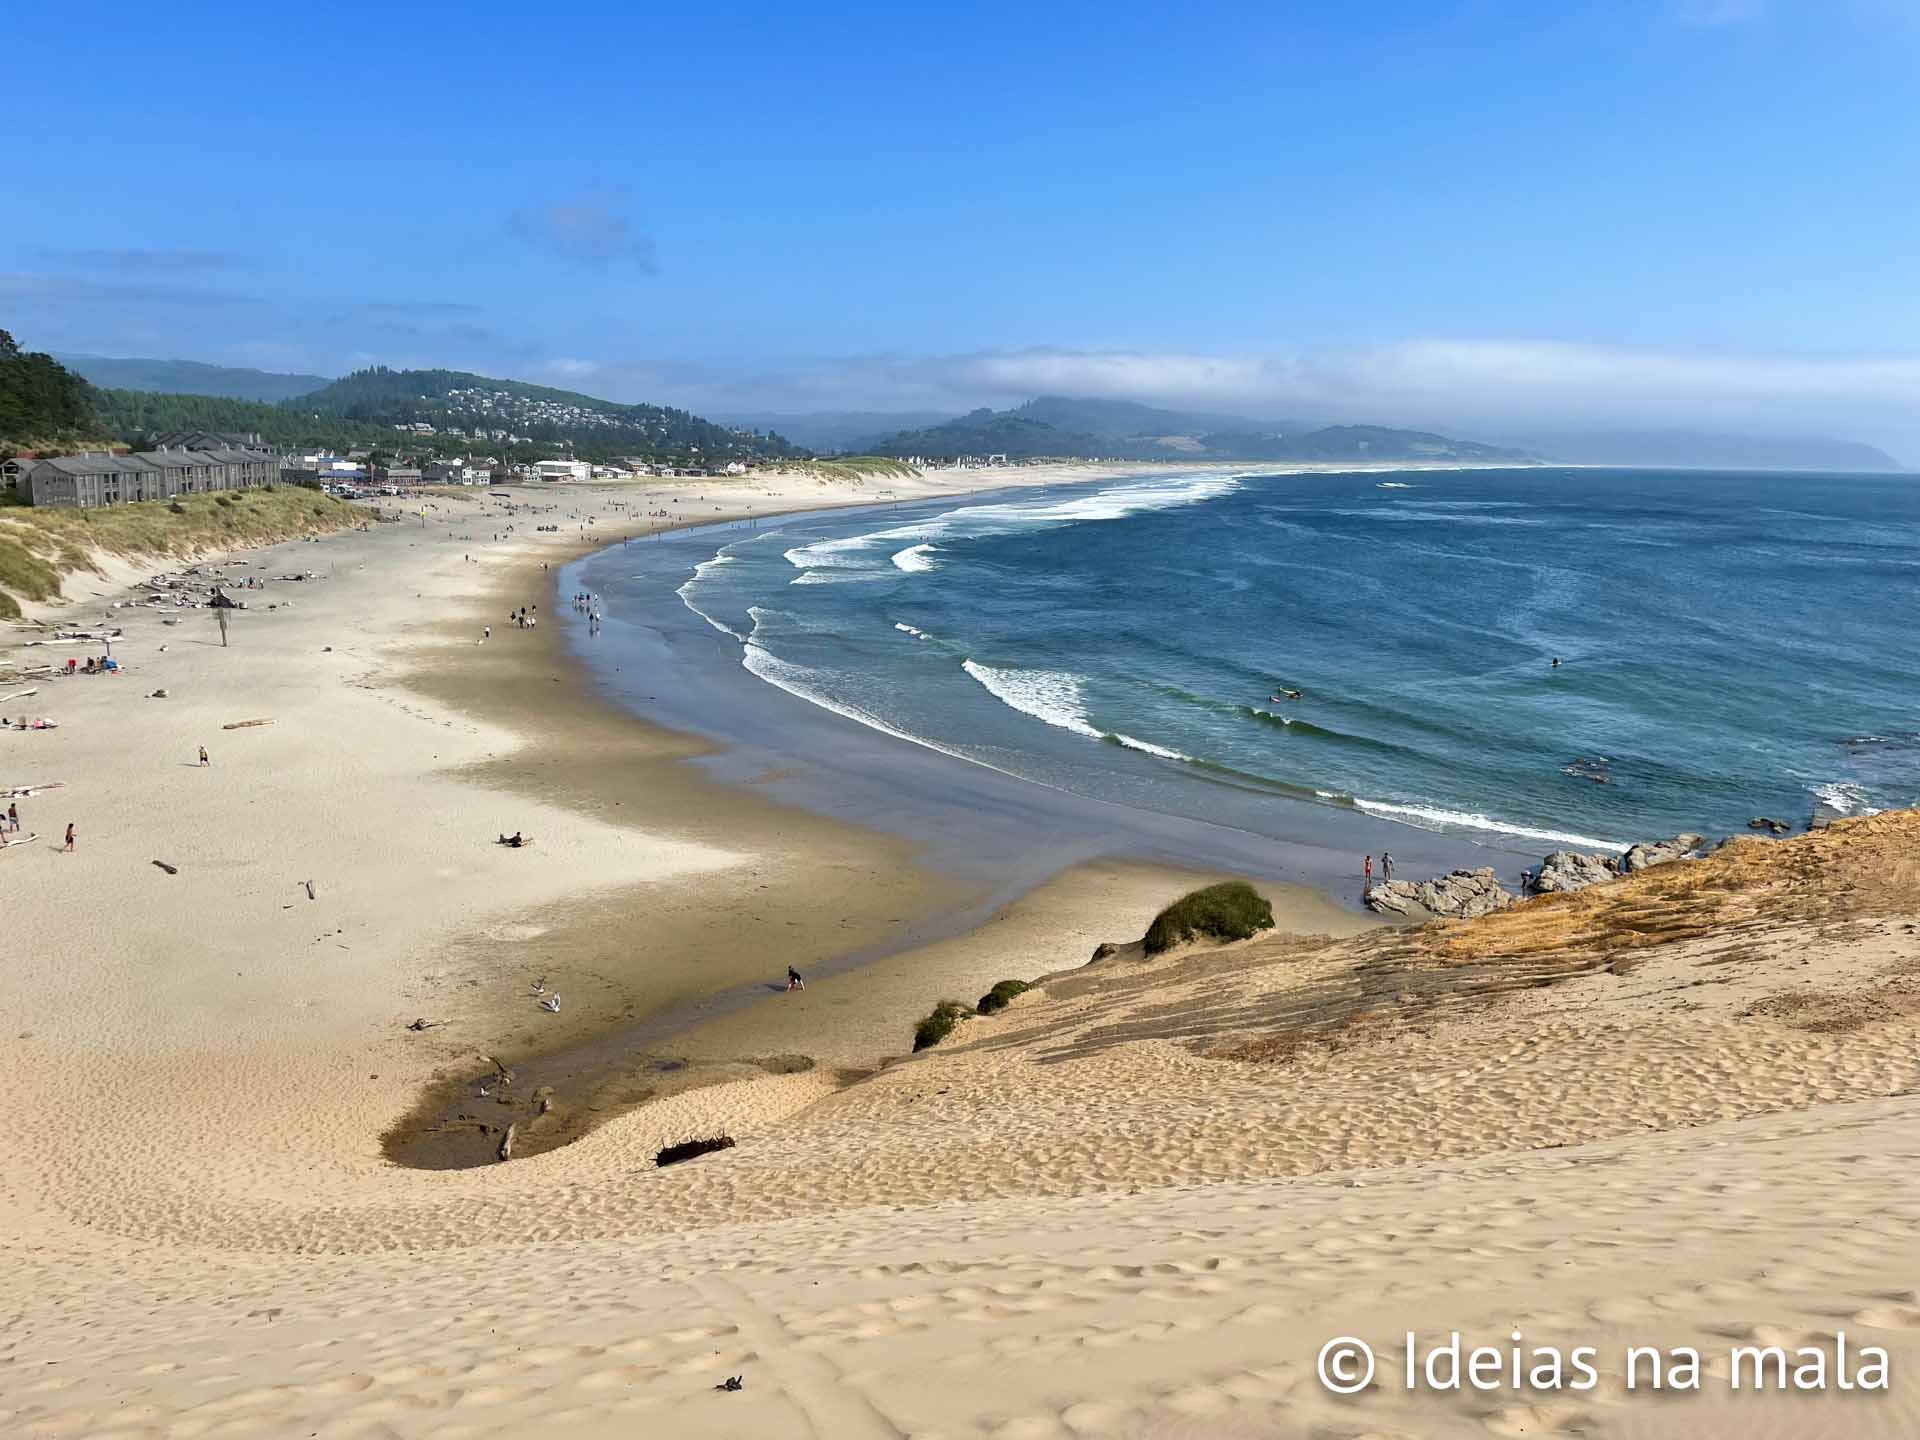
(1490, 213)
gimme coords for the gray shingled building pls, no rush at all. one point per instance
(88, 481)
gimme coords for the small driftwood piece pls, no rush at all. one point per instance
(506, 1143)
(425, 1024)
(689, 1149)
(309, 889)
(245, 724)
(170, 869)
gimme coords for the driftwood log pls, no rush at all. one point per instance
(170, 869)
(506, 1143)
(688, 1149)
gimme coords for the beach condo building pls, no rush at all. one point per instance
(562, 470)
(87, 481)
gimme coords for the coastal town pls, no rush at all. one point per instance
(201, 462)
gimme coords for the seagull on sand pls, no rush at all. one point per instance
(551, 1004)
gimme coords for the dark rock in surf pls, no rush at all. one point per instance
(1459, 895)
(1565, 871)
(1660, 852)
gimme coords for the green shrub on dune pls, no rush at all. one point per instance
(1231, 910)
(937, 1026)
(1000, 995)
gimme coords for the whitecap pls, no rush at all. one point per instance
(1007, 517)
(804, 684)
(1149, 748)
(1428, 817)
(1052, 696)
(915, 559)
(692, 586)
(1843, 797)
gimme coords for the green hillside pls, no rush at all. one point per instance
(190, 377)
(984, 432)
(1110, 429)
(456, 400)
(464, 413)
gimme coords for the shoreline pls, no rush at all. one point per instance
(397, 737)
(1092, 1197)
(650, 959)
(607, 1069)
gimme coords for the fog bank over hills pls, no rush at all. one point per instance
(1057, 424)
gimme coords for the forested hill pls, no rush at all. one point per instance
(41, 401)
(450, 400)
(392, 412)
(1123, 431)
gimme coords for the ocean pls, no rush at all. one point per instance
(1730, 645)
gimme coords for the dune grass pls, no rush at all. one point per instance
(1001, 995)
(39, 546)
(1231, 910)
(939, 1024)
(853, 469)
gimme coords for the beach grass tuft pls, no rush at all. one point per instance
(1001, 995)
(1231, 910)
(939, 1024)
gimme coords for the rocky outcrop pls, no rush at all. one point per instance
(1659, 852)
(1461, 895)
(1772, 827)
(1565, 871)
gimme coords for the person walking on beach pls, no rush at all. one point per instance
(1386, 866)
(204, 761)
(13, 818)
(69, 844)
(1366, 877)
(794, 982)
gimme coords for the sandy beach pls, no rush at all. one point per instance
(1674, 1110)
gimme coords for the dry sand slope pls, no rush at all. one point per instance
(1675, 1109)
(1589, 1120)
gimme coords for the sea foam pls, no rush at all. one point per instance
(1048, 695)
(1430, 817)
